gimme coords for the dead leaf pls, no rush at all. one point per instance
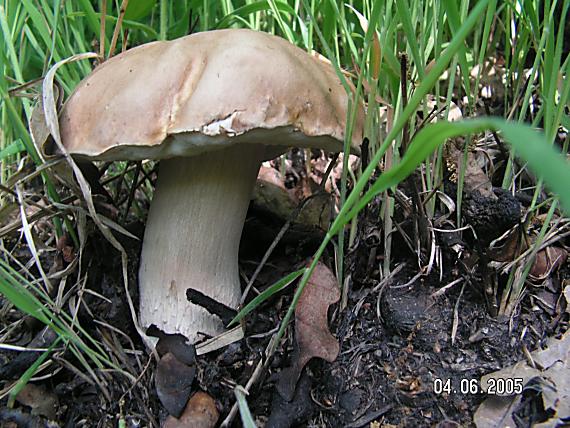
(39, 130)
(491, 78)
(496, 412)
(475, 178)
(508, 246)
(313, 338)
(547, 261)
(454, 113)
(173, 380)
(41, 401)
(553, 372)
(175, 370)
(65, 247)
(287, 413)
(271, 195)
(200, 412)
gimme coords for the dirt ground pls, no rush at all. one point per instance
(398, 335)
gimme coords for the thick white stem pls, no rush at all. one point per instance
(192, 238)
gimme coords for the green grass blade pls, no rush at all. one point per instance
(530, 145)
(411, 38)
(138, 9)
(21, 297)
(246, 417)
(249, 9)
(29, 373)
(266, 294)
(92, 19)
(13, 148)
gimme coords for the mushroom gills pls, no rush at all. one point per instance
(192, 238)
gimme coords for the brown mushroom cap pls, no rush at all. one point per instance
(187, 96)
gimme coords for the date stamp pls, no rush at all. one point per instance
(465, 386)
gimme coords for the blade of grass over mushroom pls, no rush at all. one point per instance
(266, 294)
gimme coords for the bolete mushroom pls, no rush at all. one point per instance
(211, 106)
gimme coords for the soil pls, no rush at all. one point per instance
(399, 337)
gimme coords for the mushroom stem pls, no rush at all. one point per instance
(192, 238)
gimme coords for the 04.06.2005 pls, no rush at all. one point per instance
(465, 386)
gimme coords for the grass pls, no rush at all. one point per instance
(397, 52)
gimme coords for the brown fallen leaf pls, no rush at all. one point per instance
(173, 380)
(546, 261)
(271, 195)
(65, 247)
(287, 413)
(496, 412)
(41, 401)
(551, 376)
(175, 370)
(475, 178)
(200, 412)
(313, 338)
(507, 247)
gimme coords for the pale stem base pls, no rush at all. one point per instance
(192, 238)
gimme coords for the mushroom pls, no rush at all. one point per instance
(211, 107)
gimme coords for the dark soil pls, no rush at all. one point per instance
(396, 338)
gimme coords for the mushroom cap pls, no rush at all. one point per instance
(203, 92)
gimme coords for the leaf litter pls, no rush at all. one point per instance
(545, 374)
(313, 338)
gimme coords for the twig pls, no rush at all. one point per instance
(259, 369)
(456, 314)
(102, 29)
(446, 287)
(117, 30)
(134, 187)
